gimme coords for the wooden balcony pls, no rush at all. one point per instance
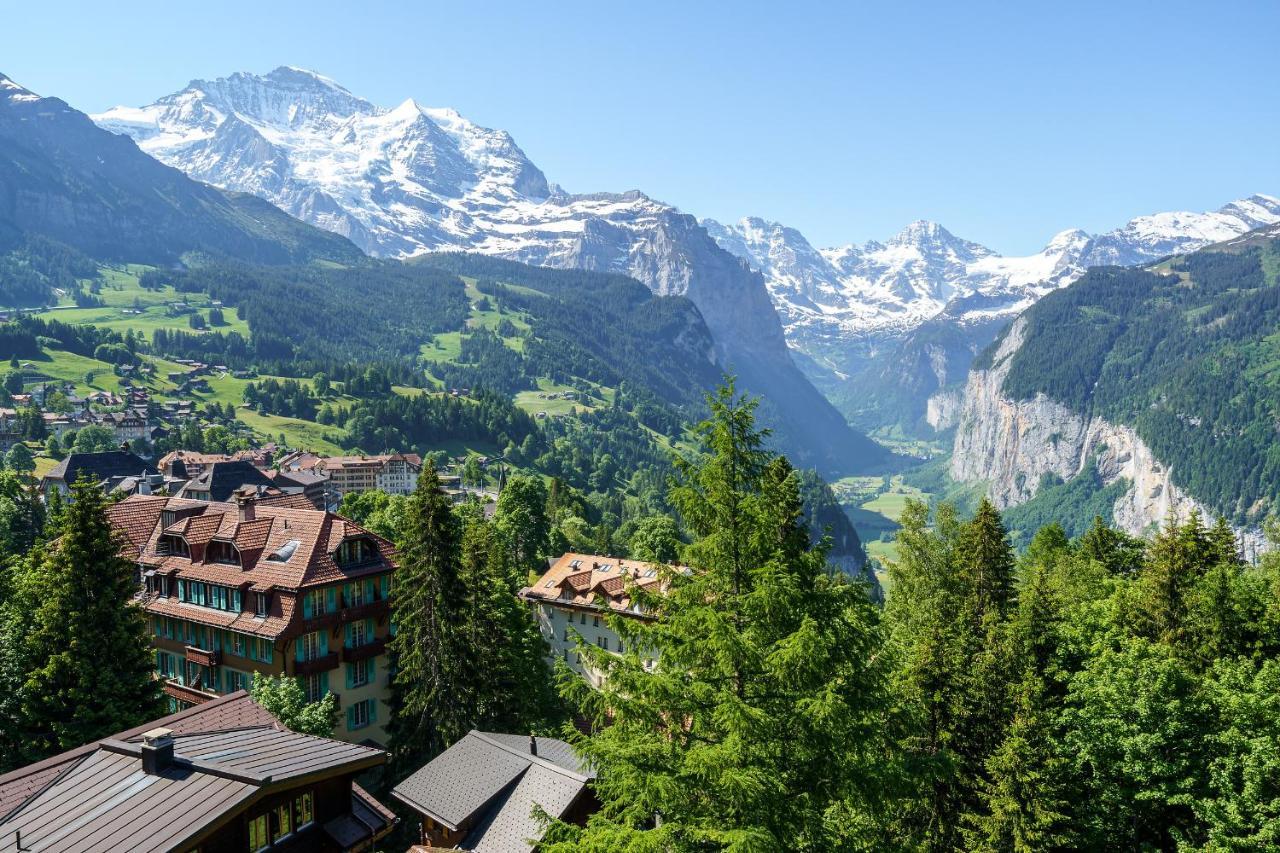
(204, 657)
(316, 665)
(320, 622)
(187, 694)
(377, 609)
(371, 649)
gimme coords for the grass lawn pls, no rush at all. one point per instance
(297, 433)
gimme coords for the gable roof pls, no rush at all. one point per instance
(487, 785)
(226, 712)
(586, 579)
(101, 798)
(222, 479)
(100, 466)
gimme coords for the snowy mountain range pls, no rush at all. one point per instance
(882, 326)
(878, 326)
(407, 180)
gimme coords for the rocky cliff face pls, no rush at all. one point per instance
(1012, 444)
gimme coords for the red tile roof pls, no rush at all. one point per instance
(584, 579)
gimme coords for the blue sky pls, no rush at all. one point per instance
(1005, 122)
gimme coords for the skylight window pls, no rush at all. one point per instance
(651, 573)
(575, 564)
(606, 567)
(549, 584)
(284, 552)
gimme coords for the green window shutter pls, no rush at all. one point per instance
(373, 675)
(160, 662)
(306, 606)
(351, 718)
(351, 675)
(373, 710)
(158, 625)
(182, 590)
(385, 583)
(346, 640)
(324, 643)
(324, 684)
(298, 650)
(331, 598)
(368, 630)
(368, 590)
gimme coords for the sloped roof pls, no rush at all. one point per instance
(487, 784)
(226, 712)
(100, 466)
(222, 479)
(584, 579)
(226, 753)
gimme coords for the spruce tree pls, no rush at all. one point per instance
(433, 688)
(760, 725)
(87, 642)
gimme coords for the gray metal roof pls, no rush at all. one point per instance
(488, 783)
(103, 800)
(509, 825)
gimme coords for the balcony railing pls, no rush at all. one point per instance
(376, 608)
(371, 649)
(316, 665)
(187, 694)
(204, 657)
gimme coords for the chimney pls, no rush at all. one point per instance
(533, 745)
(246, 502)
(157, 751)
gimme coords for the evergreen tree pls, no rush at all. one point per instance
(82, 616)
(760, 725)
(433, 702)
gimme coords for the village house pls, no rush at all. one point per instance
(220, 481)
(576, 594)
(107, 468)
(481, 793)
(220, 776)
(255, 587)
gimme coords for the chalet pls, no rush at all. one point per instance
(480, 794)
(576, 594)
(107, 469)
(220, 776)
(237, 589)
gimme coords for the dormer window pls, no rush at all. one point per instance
(222, 552)
(261, 603)
(171, 544)
(352, 552)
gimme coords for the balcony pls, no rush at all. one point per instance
(371, 649)
(378, 608)
(320, 622)
(316, 665)
(187, 694)
(204, 657)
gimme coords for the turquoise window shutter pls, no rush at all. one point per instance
(331, 598)
(368, 630)
(373, 674)
(306, 606)
(368, 590)
(385, 582)
(351, 718)
(324, 643)
(298, 650)
(351, 675)
(324, 684)
(373, 710)
(346, 639)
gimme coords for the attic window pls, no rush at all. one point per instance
(284, 552)
(223, 552)
(352, 552)
(606, 567)
(575, 564)
(171, 544)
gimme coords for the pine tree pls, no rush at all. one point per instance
(433, 688)
(988, 561)
(87, 640)
(760, 726)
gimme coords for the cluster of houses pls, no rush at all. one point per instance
(262, 581)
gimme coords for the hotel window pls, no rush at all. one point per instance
(359, 636)
(313, 685)
(595, 621)
(360, 673)
(260, 604)
(237, 644)
(310, 645)
(304, 809)
(361, 714)
(603, 642)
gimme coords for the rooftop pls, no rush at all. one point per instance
(487, 785)
(226, 753)
(587, 579)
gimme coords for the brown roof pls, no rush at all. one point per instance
(585, 579)
(284, 548)
(100, 798)
(234, 710)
